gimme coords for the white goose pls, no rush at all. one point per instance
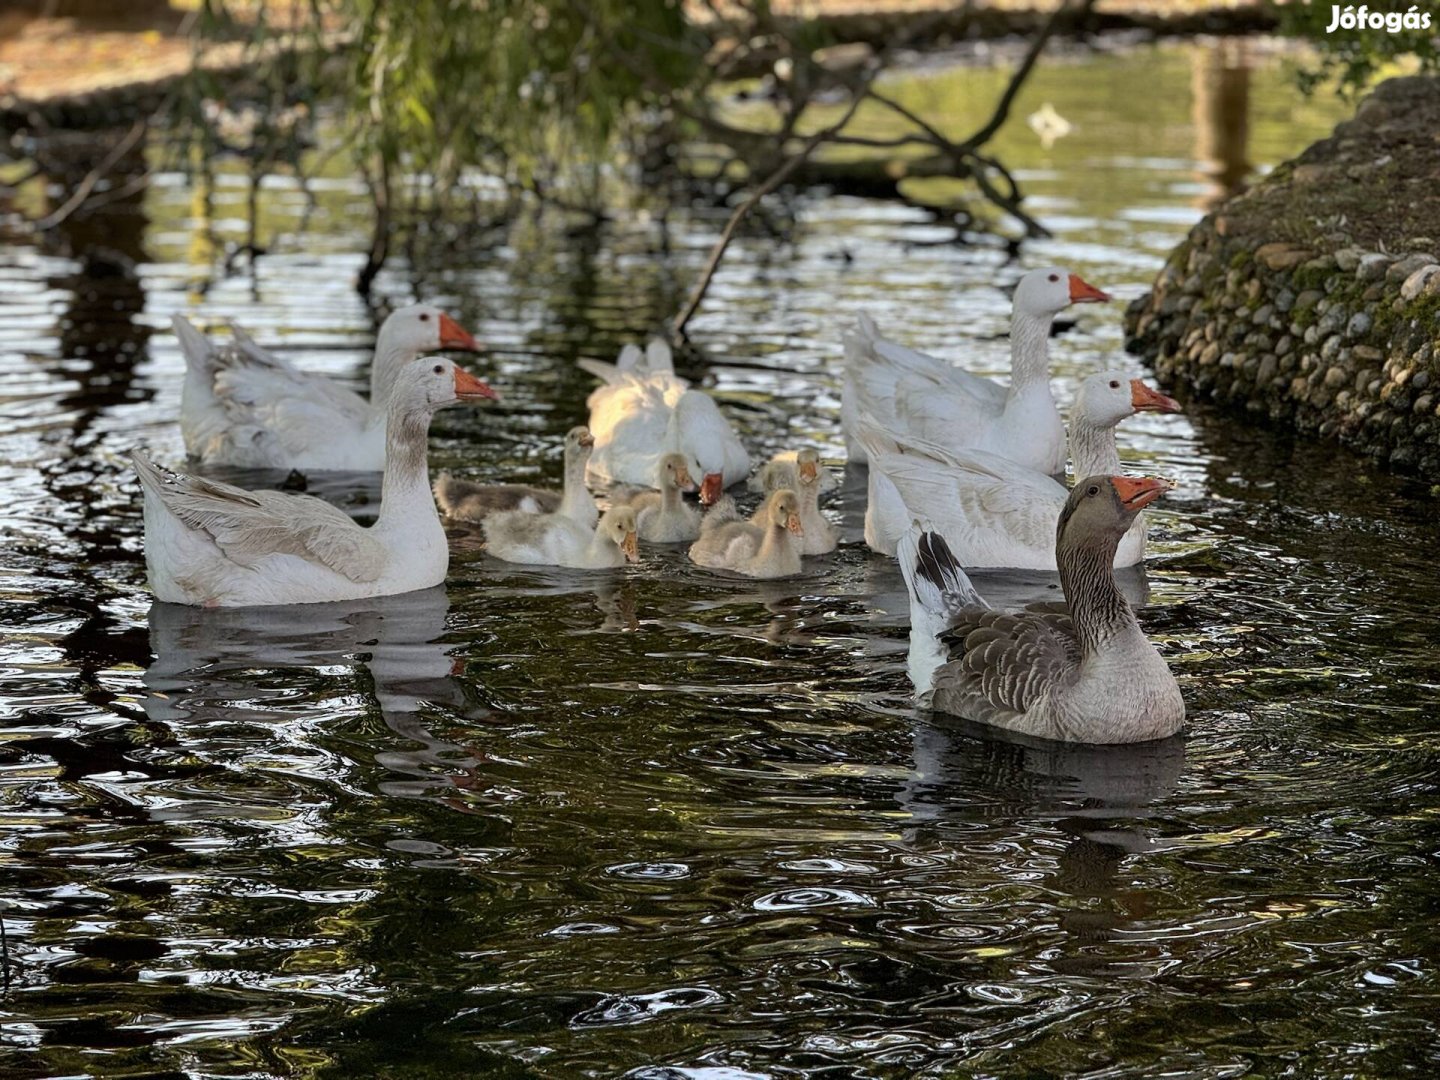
(241, 405)
(993, 512)
(218, 545)
(910, 394)
(556, 540)
(645, 410)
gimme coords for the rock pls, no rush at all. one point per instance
(1302, 302)
(1372, 267)
(1358, 326)
(1281, 256)
(1403, 268)
(1423, 282)
(1348, 259)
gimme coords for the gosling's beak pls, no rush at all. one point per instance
(809, 470)
(469, 388)
(711, 488)
(631, 547)
(587, 439)
(455, 336)
(1138, 492)
(793, 524)
(682, 477)
(1082, 292)
(1144, 399)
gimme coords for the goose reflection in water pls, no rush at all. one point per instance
(1099, 797)
(212, 667)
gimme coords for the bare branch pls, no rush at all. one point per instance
(773, 181)
(94, 176)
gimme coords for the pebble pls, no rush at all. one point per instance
(1399, 271)
(1372, 267)
(1423, 282)
(1359, 324)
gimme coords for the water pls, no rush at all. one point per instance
(663, 824)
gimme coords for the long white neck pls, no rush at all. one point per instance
(407, 504)
(1092, 449)
(1029, 353)
(575, 497)
(390, 357)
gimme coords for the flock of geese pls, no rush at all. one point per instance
(962, 472)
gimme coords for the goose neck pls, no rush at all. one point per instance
(406, 501)
(1029, 351)
(390, 357)
(1092, 448)
(1087, 576)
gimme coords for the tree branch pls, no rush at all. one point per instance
(774, 180)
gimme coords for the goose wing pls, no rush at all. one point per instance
(249, 525)
(1002, 664)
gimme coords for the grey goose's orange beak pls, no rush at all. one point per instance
(1138, 492)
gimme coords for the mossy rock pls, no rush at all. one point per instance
(1369, 192)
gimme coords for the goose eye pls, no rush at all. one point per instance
(1054, 277)
(1094, 490)
(1114, 385)
(424, 316)
(439, 368)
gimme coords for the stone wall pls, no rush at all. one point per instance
(1313, 299)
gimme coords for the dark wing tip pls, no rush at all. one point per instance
(937, 563)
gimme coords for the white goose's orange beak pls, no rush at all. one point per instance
(631, 547)
(1138, 492)
(1144, 399)
(793, 524)
(469, 388)
(455, 336)
(711, 488)
(1082, 292)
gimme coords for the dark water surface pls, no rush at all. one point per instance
(662, 824)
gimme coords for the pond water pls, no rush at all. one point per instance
(664, 824)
